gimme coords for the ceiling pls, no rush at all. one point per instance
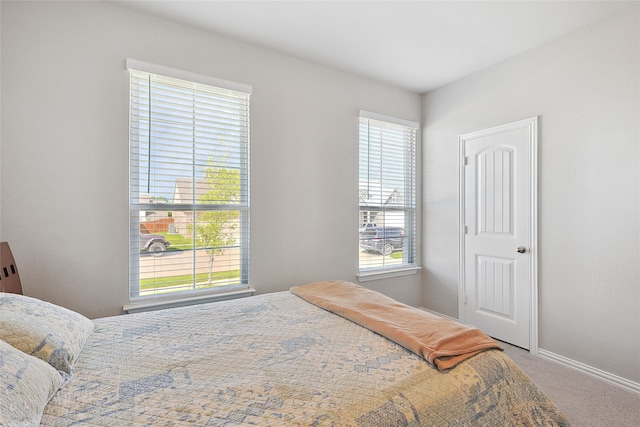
(416, 45)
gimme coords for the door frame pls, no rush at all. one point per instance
(532, 125)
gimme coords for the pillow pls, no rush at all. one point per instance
(26, 385)
(44, 330)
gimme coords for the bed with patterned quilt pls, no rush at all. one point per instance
(268, 360)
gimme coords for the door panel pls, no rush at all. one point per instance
(495, 286)
(496, 186)
(493, 186)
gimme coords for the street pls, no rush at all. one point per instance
(177, 263)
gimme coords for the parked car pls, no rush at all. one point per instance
(155, 244)
(384, 240)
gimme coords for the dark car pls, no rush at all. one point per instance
(155, 244)
(384, 240)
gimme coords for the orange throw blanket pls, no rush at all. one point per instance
(442, 342)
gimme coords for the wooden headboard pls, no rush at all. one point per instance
(9, 277)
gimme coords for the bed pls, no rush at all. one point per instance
(270, 360)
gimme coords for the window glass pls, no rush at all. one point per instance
(189, 186)
(387, 198)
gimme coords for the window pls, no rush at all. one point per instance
(189, 183)
(387, 174)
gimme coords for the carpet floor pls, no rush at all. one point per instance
(585, 400)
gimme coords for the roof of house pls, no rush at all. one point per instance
(373, 194)
(185, 190)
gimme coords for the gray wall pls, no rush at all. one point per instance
(64, 152)
(586, 90)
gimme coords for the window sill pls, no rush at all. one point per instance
(386, 274)
(137, 307)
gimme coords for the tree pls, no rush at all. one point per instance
(215, 228)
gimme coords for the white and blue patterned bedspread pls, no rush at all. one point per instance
(276, 360)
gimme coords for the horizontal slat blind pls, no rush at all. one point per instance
(387, 192)
(189, 185)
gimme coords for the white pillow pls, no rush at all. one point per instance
(26, 385)
(44, 330)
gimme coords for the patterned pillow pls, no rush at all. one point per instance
(44, 330)
(26, 385)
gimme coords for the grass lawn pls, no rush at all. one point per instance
(178, 242)
(187, 279)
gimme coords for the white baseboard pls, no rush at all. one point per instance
(435, 313)
(590, 370)
(573, 364)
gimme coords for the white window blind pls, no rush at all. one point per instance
(387, 197)
(189, 182)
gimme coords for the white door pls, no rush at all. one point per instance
(498, 231)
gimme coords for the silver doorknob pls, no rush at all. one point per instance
(521, 249)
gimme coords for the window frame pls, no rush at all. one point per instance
(409, 203)
(158, 300)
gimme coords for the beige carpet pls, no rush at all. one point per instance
(584, 399)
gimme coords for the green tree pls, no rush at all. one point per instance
(215, 229)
